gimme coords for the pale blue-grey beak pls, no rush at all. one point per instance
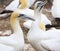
(40, 4)
(23, 16)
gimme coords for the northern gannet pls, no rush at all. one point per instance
(43, 40)
(15, 40)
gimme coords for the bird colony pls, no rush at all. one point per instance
(38, 37)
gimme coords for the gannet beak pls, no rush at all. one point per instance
(41, 4)
(44, 2)
(23, 16)
(42, 26)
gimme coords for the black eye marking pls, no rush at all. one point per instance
(38, 5)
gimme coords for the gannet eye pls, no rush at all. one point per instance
(38, 5)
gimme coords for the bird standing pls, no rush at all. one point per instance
(16, 40)
(43, 40)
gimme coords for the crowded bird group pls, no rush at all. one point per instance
(40, 38)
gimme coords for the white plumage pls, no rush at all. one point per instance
(30, 2)
(44, 19)
(5, 48)
(13, 5)
(56, 8)
(16, 40)
(43, 40)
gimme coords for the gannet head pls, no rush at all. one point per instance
(15, 14)
(23, 3)
(38, 8)
(39, 5)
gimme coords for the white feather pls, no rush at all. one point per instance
(56, 8)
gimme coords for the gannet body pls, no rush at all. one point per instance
(43, 40)
(16, 40)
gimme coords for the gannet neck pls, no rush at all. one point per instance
(24, 4)
(37, 14)
(39, 22)
(15, 22)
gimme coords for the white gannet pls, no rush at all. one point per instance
(16, 40)
(43, 40)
